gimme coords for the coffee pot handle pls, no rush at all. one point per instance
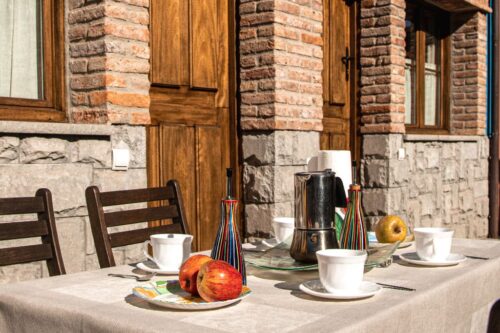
(340, 198)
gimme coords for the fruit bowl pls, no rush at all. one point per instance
(278, 258)
(169, 294)
(374, 243)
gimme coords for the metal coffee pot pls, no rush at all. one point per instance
(316, 196)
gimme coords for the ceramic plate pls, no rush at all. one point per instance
(413, 258)
(315, 288)
(151, 267)
(169, 294)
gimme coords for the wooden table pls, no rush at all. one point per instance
(447, 299)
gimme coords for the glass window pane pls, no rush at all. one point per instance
(432, 71)
(410, 66)
(21, 51)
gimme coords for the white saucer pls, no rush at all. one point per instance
(413, 258)
(315, 288)
(151, 267)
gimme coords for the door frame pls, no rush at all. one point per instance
(153, 151)
(355, 116)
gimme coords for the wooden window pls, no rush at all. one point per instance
(32, 60)
(426, 68)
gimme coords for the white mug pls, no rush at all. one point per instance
(283, 228)
(169, 250)
(433, 244)
(341, 270)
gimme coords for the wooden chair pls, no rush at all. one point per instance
(44, 227)
(100, 221)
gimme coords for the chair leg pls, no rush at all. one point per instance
(494, 321)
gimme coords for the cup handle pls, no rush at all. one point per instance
(433, 247)
(146, 251)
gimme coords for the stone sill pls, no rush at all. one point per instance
(441, 138)
(26, 127)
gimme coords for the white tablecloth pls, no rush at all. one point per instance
(447, 299)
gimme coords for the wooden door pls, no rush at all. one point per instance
(193, 137)
(340, 77)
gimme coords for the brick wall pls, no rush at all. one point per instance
(108, 61)
(468, 78)
(281, 63)
(382, 60)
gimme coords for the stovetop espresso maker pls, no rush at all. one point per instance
(316, 196)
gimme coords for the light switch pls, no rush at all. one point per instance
(121, 159)
(401, 154)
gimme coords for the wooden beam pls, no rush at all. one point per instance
(458, 6)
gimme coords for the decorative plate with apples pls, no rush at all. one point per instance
(169, 294)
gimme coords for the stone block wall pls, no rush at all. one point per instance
(270, 161)
(281, 63)
(439, 183)
(67, 159)
(108, 58)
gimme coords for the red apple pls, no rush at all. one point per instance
(189, 272)
(219, 281)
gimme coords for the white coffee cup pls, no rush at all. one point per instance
(283, 227)
(341, 270)
(433, 244)
(169, 250)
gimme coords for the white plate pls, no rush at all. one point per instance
(151, 267)
(315, 288)
(413, 258)
(168, 294)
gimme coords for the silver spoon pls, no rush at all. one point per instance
(139, 278)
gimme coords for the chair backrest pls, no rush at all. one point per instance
(170, 207)
(44, 227)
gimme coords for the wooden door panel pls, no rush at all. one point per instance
(339, 46)
(340, 106)
(204, 44)
(177, 158)
(191, 51)
(169, 66)
(210, 177)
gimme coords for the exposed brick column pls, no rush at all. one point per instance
(382, 66)
(108, 61)
(468, 80)
(281, 89)
(281, 63)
